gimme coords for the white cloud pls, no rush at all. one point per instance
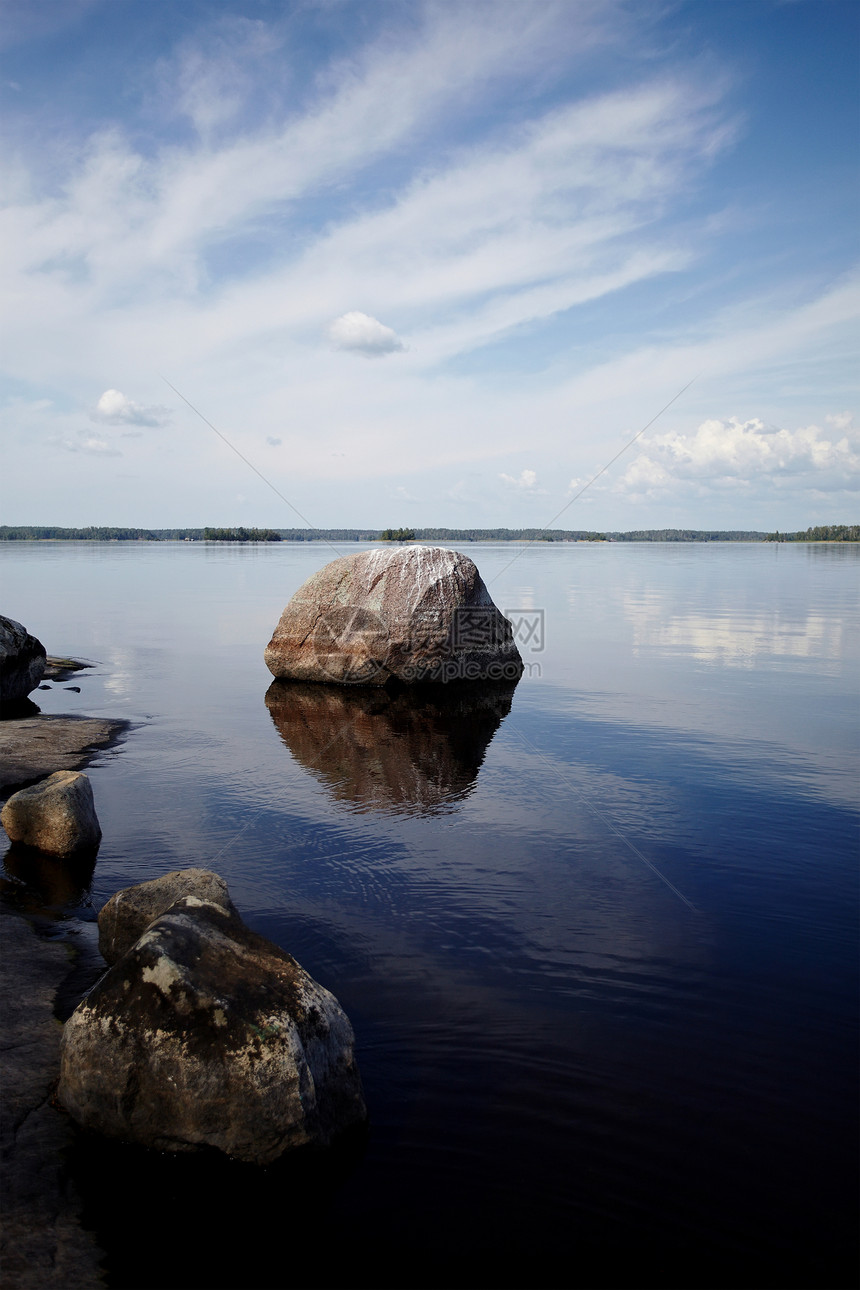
(362, 334)
(91, 445)
(114, 409)
(839, 420)
(731, 453)
(548, 243)
(526, 482)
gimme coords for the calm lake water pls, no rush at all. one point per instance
(597, 937)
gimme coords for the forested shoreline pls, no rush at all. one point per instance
(53, 533)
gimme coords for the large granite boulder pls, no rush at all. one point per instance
(410, 751)
(205, 1034)
(57, 815)
(129, 912)
(22, 662)
(413, 615)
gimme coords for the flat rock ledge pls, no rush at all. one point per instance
(204, 1034)
(36, 746)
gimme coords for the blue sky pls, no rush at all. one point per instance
(430, 264)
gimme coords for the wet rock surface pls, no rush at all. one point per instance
(417, 615)
(34, 746)
(206, 1034)
(42, 1242)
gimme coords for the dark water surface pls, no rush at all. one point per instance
(596, 935)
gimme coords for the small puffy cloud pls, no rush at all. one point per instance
(362, 334)
(114, 409)
(733, 453)
(526, 483)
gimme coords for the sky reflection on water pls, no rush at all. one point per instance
(598, 950)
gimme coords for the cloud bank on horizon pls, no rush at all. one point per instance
(540, 221)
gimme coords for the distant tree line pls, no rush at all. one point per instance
(397, 535)
(687, 535)
(51, 532)
(241, 535)
(24, 532)
(508, 535)
(822, 533)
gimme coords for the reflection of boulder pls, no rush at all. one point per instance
(407, 750)
(56, 881)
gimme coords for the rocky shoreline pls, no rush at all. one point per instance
(43, 1243)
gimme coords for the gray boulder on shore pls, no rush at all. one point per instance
(22, 662)
(414, 615)
(205, 1034)
(57, 815)
(129, 912)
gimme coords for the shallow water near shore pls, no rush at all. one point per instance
(596, 936)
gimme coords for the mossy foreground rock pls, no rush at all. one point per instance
(129, 912)
(205, 1034)
(415, 616)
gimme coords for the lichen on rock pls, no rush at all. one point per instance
(204, 1033)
